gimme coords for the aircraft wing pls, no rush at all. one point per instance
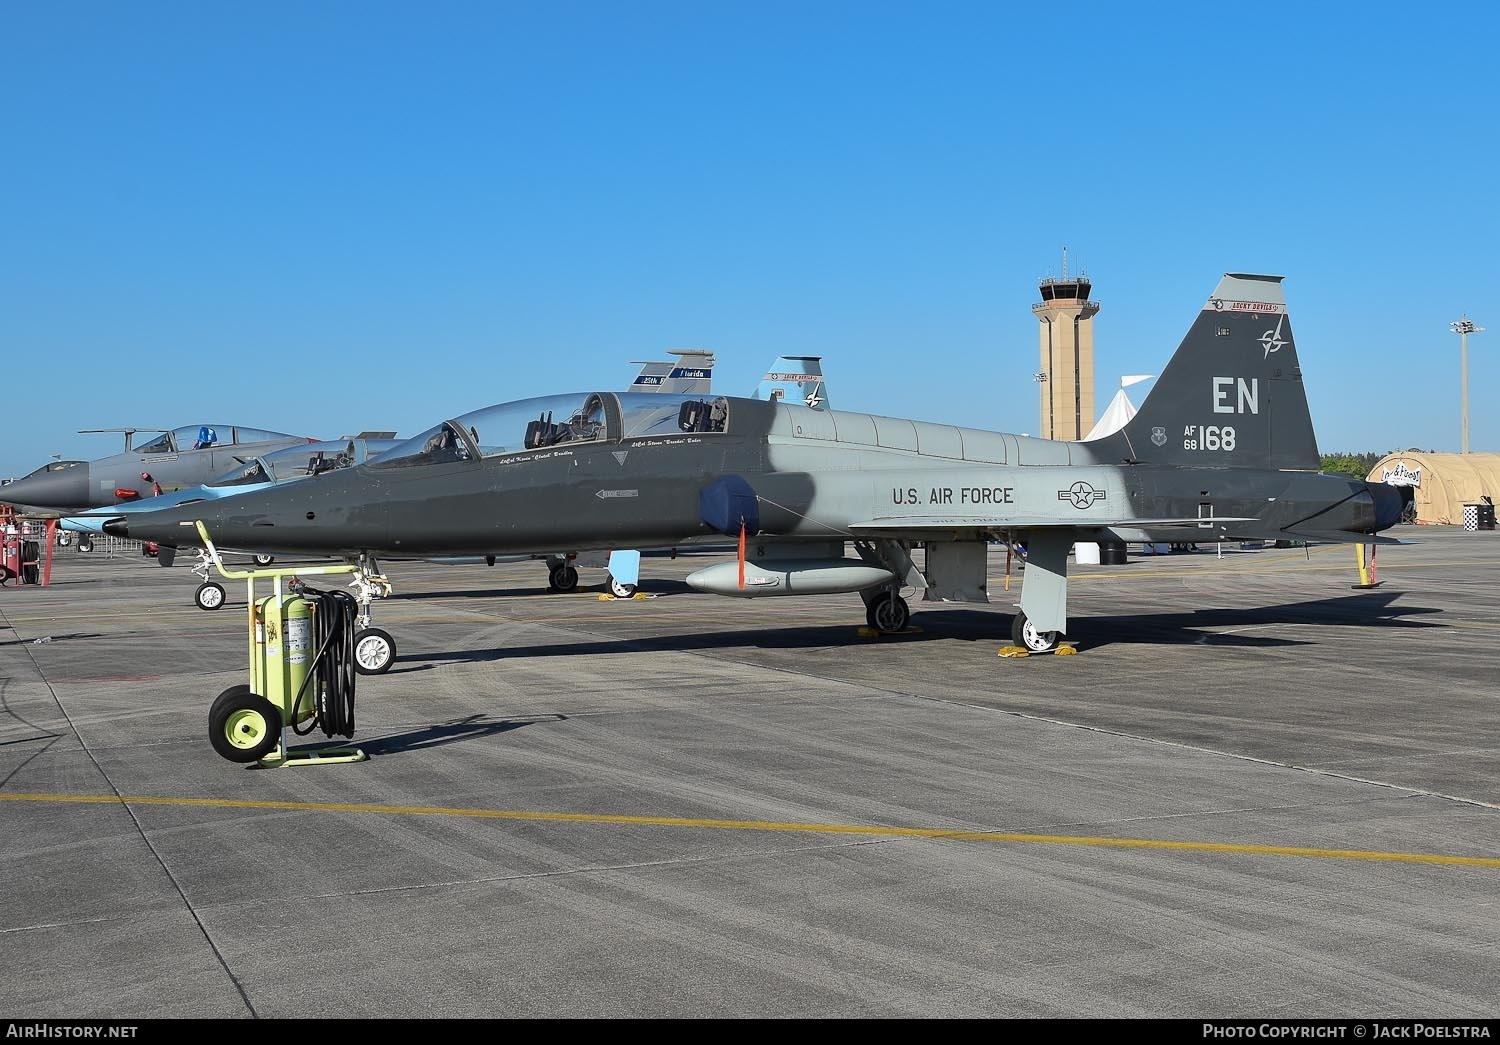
(921, 523)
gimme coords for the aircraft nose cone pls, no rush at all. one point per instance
(117, 528)
(63, 490)
(83, 523)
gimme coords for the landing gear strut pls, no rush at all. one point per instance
(374, 649)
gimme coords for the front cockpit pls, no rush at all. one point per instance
(560, 422)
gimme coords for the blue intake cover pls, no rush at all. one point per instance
(729, 502)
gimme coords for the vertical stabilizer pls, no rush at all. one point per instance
(1232, 395)
(691, 374)
(795, 379)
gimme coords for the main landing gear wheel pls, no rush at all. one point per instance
(243, 726)
(374, 651)
(166, 556)
(85, 544)
(1024, 634)
(64, 538)
(621, 590)
(209, 596)
(264, 560)
(564, 579)
(888, 613)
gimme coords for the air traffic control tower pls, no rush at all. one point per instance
(1066, 378)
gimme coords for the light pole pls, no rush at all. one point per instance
(1463, 328)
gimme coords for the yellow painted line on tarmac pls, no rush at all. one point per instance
(872, 830)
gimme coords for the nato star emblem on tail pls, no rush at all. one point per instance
(1271, 339)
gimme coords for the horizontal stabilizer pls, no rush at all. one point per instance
(1340, 537)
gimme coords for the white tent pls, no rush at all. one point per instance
(1120, 409)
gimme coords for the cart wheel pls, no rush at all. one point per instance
(620, 590)
(243, 726)
(85, 543)
(264, 560)
(209, 596)
(564, 578)
(64, 538)
(374, 651)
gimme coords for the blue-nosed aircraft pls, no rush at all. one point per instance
(1221, 449)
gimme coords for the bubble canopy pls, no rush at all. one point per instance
(561, 420)
(303, 459)
(196, 437)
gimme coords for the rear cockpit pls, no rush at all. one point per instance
(251, 473)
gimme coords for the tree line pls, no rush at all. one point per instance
(1359, 465)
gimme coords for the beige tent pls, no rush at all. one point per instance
(1442, 483)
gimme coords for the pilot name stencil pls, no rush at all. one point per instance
(955, 495)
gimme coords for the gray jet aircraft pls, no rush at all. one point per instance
(31, 509)
(1222, 449)
(176, 459)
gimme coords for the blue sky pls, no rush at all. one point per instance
(322, 217)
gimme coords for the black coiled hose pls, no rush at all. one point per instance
(332, 673)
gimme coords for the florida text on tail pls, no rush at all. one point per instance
(1222, 448)
(692, 373)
